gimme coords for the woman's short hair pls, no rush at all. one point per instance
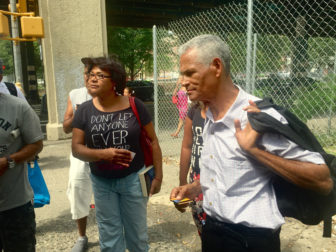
(208, 47)
(113, 66)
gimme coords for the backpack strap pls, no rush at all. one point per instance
(135, 111)
(11, 88)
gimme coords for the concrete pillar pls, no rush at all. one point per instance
(73, 29)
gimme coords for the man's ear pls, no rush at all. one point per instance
(217, 66)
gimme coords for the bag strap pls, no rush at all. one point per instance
(135, 111)
(11, 88)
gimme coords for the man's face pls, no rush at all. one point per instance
(198, 79)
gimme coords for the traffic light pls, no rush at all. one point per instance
(32, 6)
(32, 27)
(4, 28)
(21, 6)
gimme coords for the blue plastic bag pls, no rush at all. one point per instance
(41, 193)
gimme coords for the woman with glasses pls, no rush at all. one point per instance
(106, 133)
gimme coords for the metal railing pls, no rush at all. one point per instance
(282, 49)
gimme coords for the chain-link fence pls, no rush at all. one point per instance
(282, 49)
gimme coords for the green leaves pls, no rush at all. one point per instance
(6, 54)
(134, 48)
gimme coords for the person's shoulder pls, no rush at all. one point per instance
(138, 102)
(12, 98)
(273, 112)
(86, 104)
(14, 101)
(195, 107)
(2, 84)
(85, 108)
(78, 91)
(249, 96)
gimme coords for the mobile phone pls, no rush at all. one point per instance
(181, 202)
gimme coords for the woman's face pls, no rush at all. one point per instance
(99, 82)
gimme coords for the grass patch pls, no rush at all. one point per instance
(331, 149)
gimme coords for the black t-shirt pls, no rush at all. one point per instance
(119, 129)
(197, 144)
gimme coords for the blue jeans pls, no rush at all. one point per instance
(121, 212)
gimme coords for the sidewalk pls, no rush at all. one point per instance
(168, 229)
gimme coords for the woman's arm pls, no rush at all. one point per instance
(82, 152)
(68, 117)
(157, 158)
(186, 151)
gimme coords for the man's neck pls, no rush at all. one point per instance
(224, 99)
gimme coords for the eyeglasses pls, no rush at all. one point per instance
(99, 76)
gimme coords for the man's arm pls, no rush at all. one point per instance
(311, 176)
(68, 117)
(26, 153)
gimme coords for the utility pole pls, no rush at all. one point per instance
(16, 45)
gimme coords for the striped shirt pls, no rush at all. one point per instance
(236, 188)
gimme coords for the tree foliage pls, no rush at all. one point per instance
(134, 48)
(321, 50)
(6, 54)
(167, 43)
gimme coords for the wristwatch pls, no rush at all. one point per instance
(11, 162)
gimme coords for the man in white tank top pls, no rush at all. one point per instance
(79, 187)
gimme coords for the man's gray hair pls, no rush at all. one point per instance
(208, 47)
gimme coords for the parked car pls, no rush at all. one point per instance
(144, 90)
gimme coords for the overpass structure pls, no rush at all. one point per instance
(77, 28)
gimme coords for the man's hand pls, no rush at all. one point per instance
(190, 191)
(247, 137)
(252, 108)
(3, 165)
